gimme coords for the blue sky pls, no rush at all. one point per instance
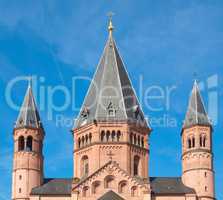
(162, 42)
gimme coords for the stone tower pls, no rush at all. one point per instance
(111, 124)
(197, 157)
(28, 137)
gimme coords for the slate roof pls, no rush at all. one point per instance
(196, 114)
(169, 185)
(53, 187)
(29, 115)
(110, 96)
(160, 186)
(110, 195)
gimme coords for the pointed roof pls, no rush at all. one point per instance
(28, 116)
(196, 114)
(110, 96)
(110, 195)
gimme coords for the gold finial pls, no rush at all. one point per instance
(110, 26)
(30, 80)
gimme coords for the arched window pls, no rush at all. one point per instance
(108, 136)
(29, 143)
(118, 135)
(109, 181)
(136, 165)
(134, 192)
(102, 136)
(79, 142)
(131, 138)
(82, 141)
(90, 137)
(204, 141)
(142, 142)
(113, 135)
(85, 191)
(84, 165)
(122, 187)
(86, 139)
(134, 139)
(193, 142)
(21, 143)
(188, 143)
(95, 187)
(138, 140)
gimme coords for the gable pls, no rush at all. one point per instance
(110, 196)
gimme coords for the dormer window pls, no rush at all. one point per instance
(85, 113)
(111, 110)
(136, 111)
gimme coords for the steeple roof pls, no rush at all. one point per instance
(28, 116)
(110, 96)
(196, 114)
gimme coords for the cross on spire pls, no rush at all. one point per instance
(110, 154)
(110, 26)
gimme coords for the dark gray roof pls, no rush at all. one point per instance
(110, 96)
(160, 186)
(28, 116)
(196, 114)
(110, 195)
(53, 187)
(169, 185)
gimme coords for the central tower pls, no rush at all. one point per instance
(111, 124)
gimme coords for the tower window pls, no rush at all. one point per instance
(131, 138)
(202, 140)
(79, 142)
(20, 177)
(84, 165)
(102, 136)
(205, 174)
(142, 142)
(136, 165)
(118, 135)
(189, 143)
(21, 145)
(108, 136)
(206, 188)
(29, 143)
(20, 190)
(138, 140)
(193, 142)
(90, 137)
(113, 136)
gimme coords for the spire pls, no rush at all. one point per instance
(110, 96)
(28, 116)
(196, 114)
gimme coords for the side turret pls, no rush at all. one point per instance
(197, 154)
(28, 137)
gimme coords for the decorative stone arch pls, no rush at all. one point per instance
(21, 143)
(95, 187)
(29, 143)
(109, 181)
(123, 186)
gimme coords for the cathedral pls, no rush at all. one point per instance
(111, 146)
